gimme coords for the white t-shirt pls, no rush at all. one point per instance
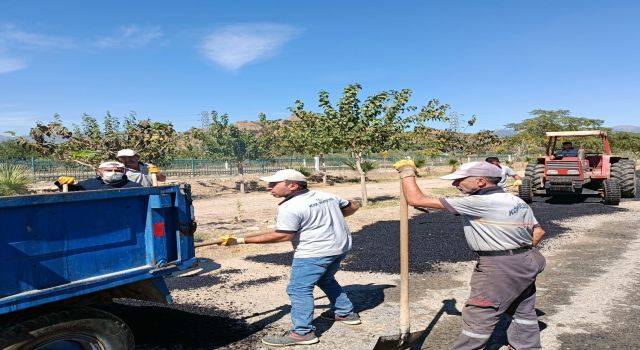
(317, 223)
(506, 172)
(494, 220)
(142, 176)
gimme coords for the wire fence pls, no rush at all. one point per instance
(50, 170)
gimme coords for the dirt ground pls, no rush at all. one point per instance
(587, 296)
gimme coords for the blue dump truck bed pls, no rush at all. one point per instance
(70, 246)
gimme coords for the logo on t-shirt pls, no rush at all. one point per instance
(517, 208)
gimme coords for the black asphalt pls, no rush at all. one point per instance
(437, 237)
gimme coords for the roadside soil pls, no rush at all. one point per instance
(587, 296)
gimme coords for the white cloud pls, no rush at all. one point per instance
(20, 39)
(235, 46)
(130, 36)
(11, 65)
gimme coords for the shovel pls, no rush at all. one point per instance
(405, 339)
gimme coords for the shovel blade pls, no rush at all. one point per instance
(398, 341)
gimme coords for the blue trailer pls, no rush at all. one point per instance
(63, 254)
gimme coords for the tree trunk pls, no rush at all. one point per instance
(241, 175)
(323, 169)
(363, 179)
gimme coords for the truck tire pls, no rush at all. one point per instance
(524, 191)
(535, 172)
(624, 172)
(73, 328)
(611, 192)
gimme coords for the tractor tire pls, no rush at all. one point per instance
(624, 172)
(73, 328)
(535, 172)
(525, 191)
(611, 192)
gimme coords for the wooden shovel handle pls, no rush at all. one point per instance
(404, 263)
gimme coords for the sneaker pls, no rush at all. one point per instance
(290, 338)
(352, 318)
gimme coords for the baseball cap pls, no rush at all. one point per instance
(111, 164)
(283, 175)
(126, 153)
(474, 169)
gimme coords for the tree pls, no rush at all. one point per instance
(372, 126)
(530, 133)
(224, 141)
(307, 134)
(91, 143)
(625, 142)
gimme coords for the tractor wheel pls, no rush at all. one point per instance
(525, 191)
(611, 192)
(535, 172)
(624, 172)
(73, 328)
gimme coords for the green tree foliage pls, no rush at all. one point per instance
(625, 142)
(224, 141)
(455, 141)
(364, 127)
(12, 149)
(91, 143)
(307, 135)
(530, 133)
(13, 179)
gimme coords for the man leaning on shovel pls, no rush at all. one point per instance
(504, 233)
(314, 223)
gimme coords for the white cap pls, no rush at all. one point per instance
(474, 169)
(283, 175)
(126, 153)
(111, 164)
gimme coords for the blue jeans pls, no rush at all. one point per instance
(306, 273)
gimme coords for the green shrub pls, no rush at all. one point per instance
(303, 171)
(367, 165)
(13, 179)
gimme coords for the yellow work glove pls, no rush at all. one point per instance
(153, 169)
(406, 168)
(517, 183)
(229, 240)
(66, 180)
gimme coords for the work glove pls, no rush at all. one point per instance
(66, 180)
(153, 169)
(406, 168)
(517, 183)
(227, 240)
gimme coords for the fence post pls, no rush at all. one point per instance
(33, 169)
(316, 163)
(193, 167)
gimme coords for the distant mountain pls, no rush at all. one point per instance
(4, 138)
(504, 132)
(628, 128)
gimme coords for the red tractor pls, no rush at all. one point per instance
(609, 176)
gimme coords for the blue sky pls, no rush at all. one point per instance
(171, 60)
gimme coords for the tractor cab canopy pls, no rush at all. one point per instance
(568, 135)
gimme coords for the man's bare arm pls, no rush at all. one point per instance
(270, 237)
(350, 209)
(416, 198)
(538, 232)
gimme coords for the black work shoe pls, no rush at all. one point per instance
(290, 338)
(352, 318)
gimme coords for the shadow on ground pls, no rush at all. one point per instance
(436, 237)
(172, 328)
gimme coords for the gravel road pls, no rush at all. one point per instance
(587, 295)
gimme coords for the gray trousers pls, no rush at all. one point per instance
(503, 284)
